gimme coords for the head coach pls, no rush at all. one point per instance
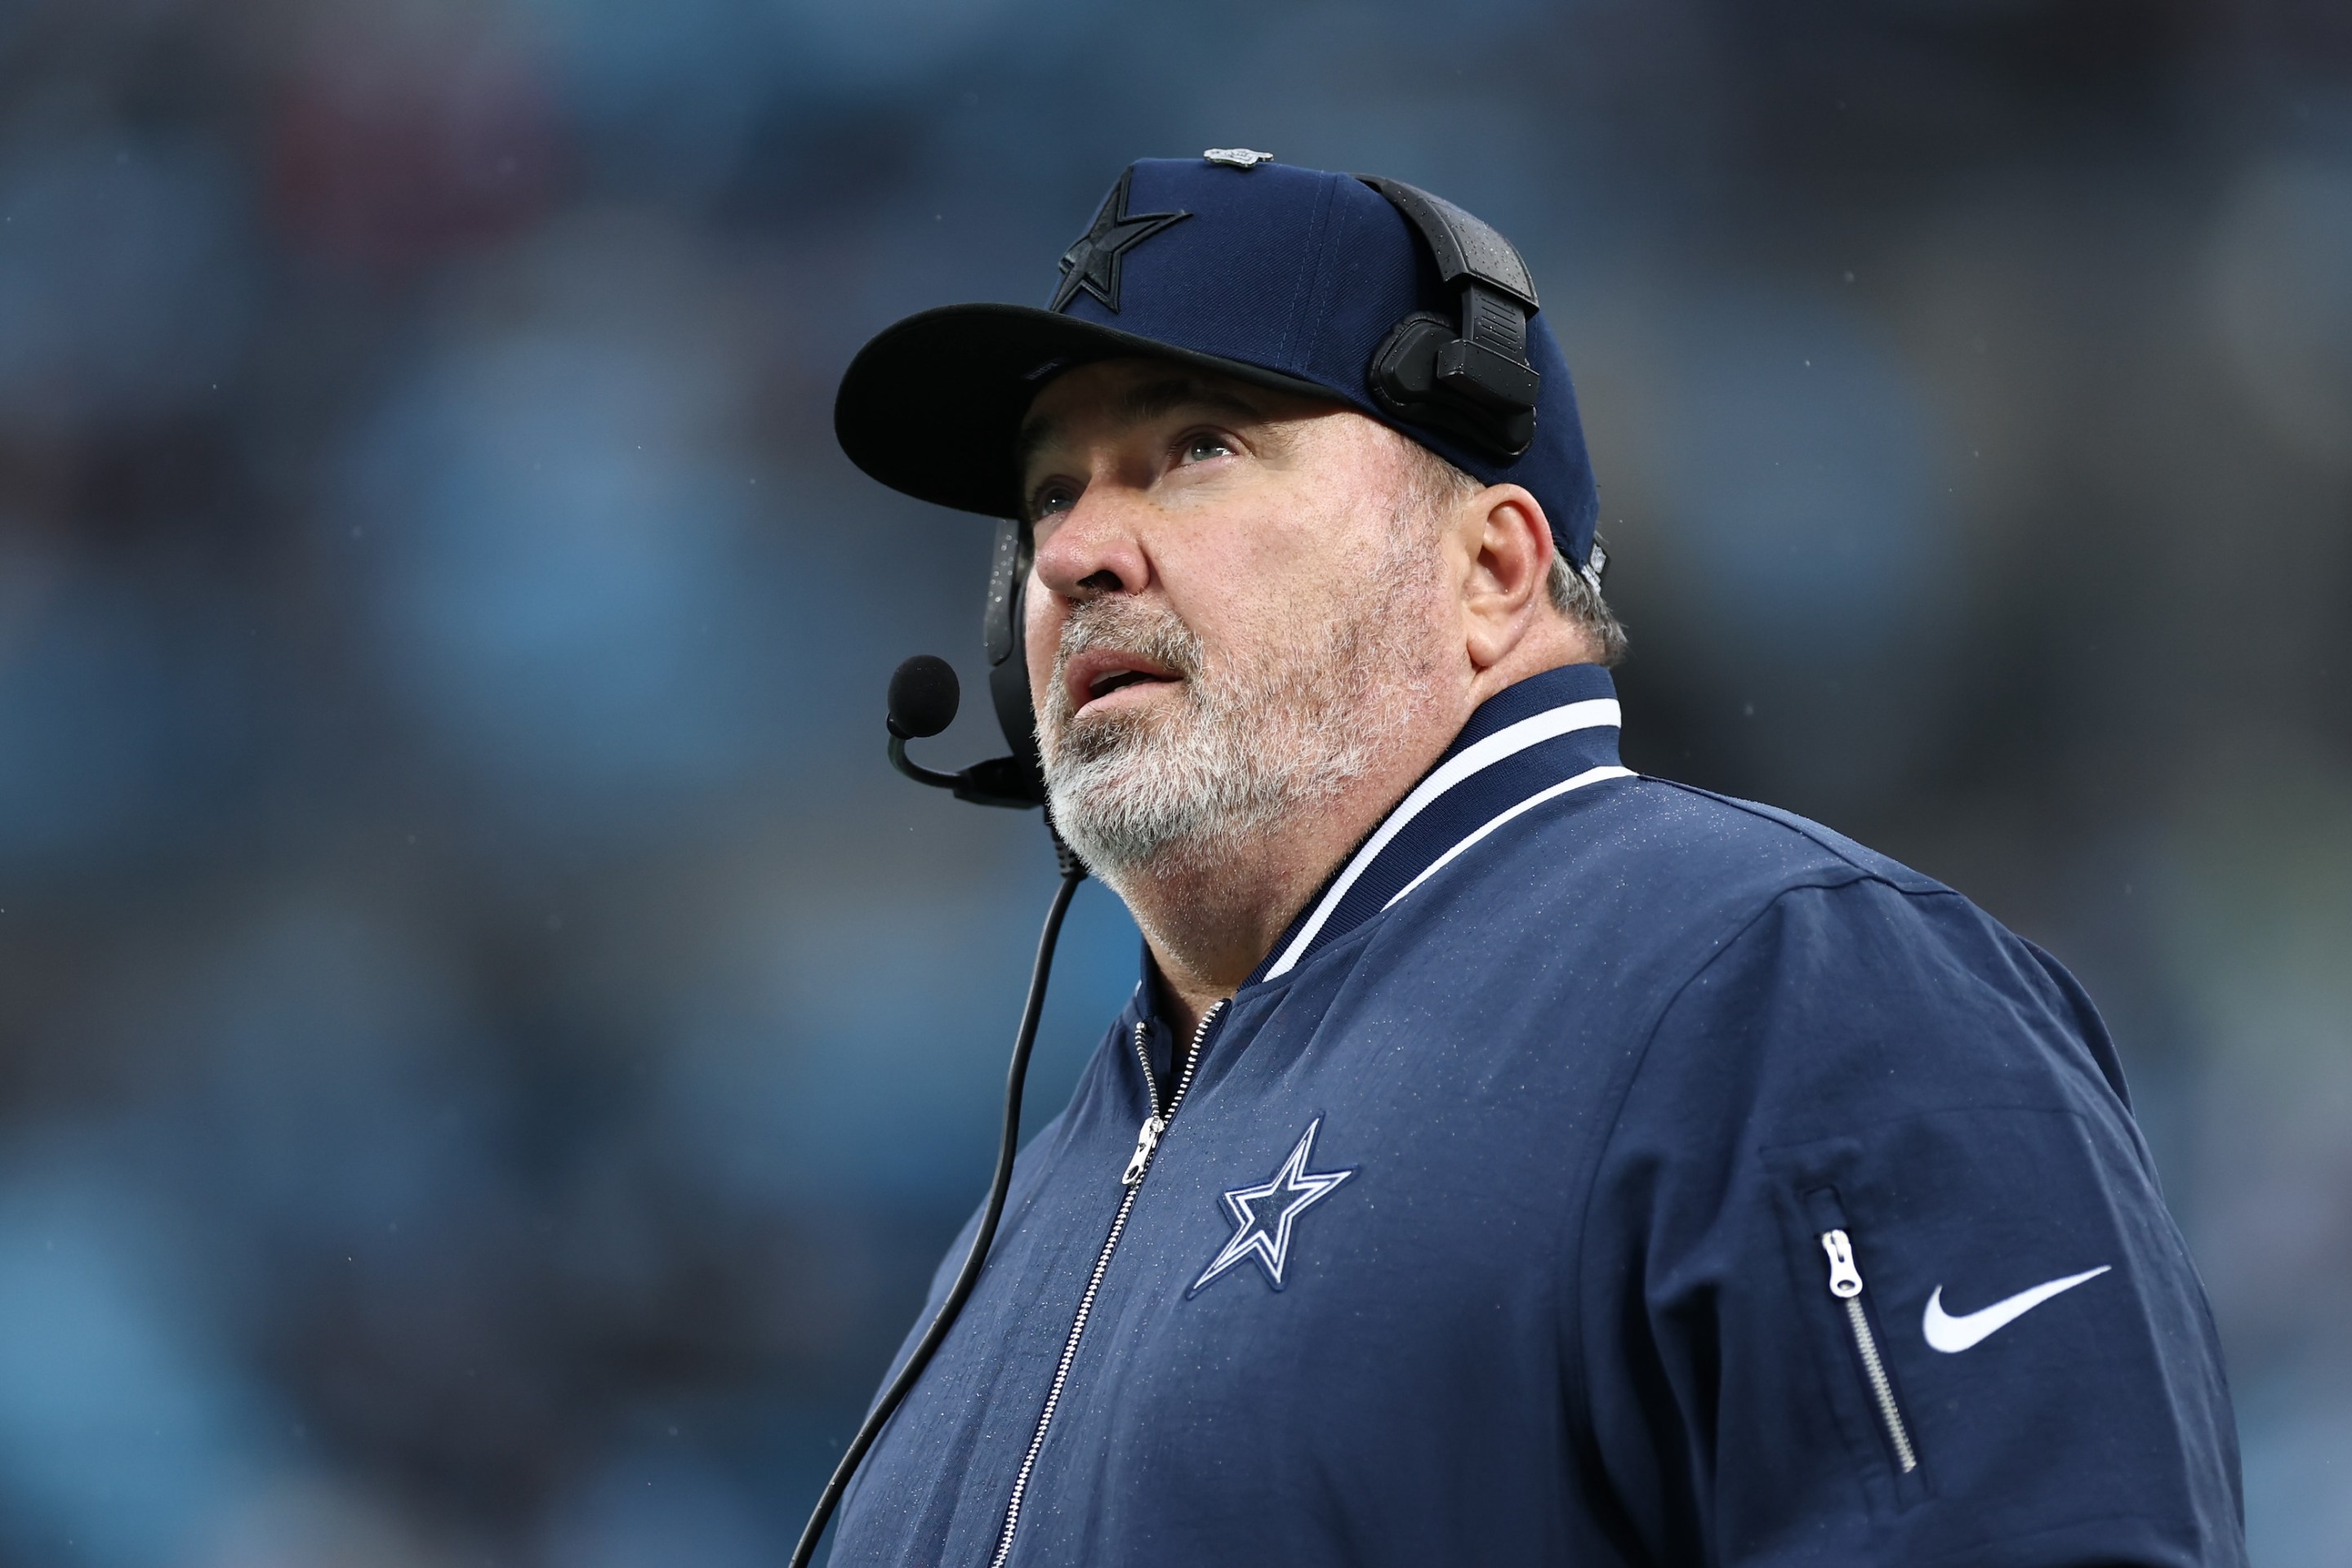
(1506, 1158)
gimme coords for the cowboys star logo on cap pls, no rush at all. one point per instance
(1092, 264)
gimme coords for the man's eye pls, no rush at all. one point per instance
(1201, 448)
(1051, 501)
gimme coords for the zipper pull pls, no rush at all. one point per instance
(1147, 1138)
(1845, 1279)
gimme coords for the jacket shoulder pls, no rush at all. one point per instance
(1706, 850)
(1647, 881)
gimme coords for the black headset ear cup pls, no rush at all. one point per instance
(999, 618)
(1466, 376)
(1403, 373)
(1008, 660)
(1403, 380)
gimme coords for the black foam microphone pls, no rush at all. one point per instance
(924, 696)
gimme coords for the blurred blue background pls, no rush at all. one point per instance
(488, 1056)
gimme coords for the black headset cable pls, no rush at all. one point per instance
(1073, 873)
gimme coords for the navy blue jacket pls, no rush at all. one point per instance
(1600, 1171)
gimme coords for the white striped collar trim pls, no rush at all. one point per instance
(1590, 776)
(1597, 712)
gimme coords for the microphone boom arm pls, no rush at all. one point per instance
(996, 782)
(923, 698)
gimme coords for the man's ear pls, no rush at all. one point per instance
(1507, 541)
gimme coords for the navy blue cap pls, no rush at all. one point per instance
(1286, 277)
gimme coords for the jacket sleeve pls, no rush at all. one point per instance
(1875, 1269)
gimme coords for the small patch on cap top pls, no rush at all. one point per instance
(1237, 157)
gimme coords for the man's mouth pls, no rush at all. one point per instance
(1098, 675)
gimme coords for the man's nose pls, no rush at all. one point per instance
(1095, 548)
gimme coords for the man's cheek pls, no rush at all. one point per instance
(1041, 636)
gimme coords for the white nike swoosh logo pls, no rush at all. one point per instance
(1951, 1335)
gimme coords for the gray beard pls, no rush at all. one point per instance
(1247, 747)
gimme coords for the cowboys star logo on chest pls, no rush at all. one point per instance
(1265, 1215)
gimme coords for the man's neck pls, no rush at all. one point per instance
(1210, 924)
(1208, 929)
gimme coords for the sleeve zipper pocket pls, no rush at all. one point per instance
(1846, 1285)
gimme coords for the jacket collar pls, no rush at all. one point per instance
(1546, 736)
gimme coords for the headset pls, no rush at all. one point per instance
(1465, 377)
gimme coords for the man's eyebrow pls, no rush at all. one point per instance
(1152, 399)
(1147, 400)
(1035, 434)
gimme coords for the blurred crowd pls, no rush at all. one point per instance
(489, 1055)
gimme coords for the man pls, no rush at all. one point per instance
(1506, 1158)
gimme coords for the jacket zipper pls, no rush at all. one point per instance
(1147, 1145)
(1845, 1284)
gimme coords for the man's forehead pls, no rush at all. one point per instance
(1122, 393)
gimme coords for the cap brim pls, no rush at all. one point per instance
(932, 406)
